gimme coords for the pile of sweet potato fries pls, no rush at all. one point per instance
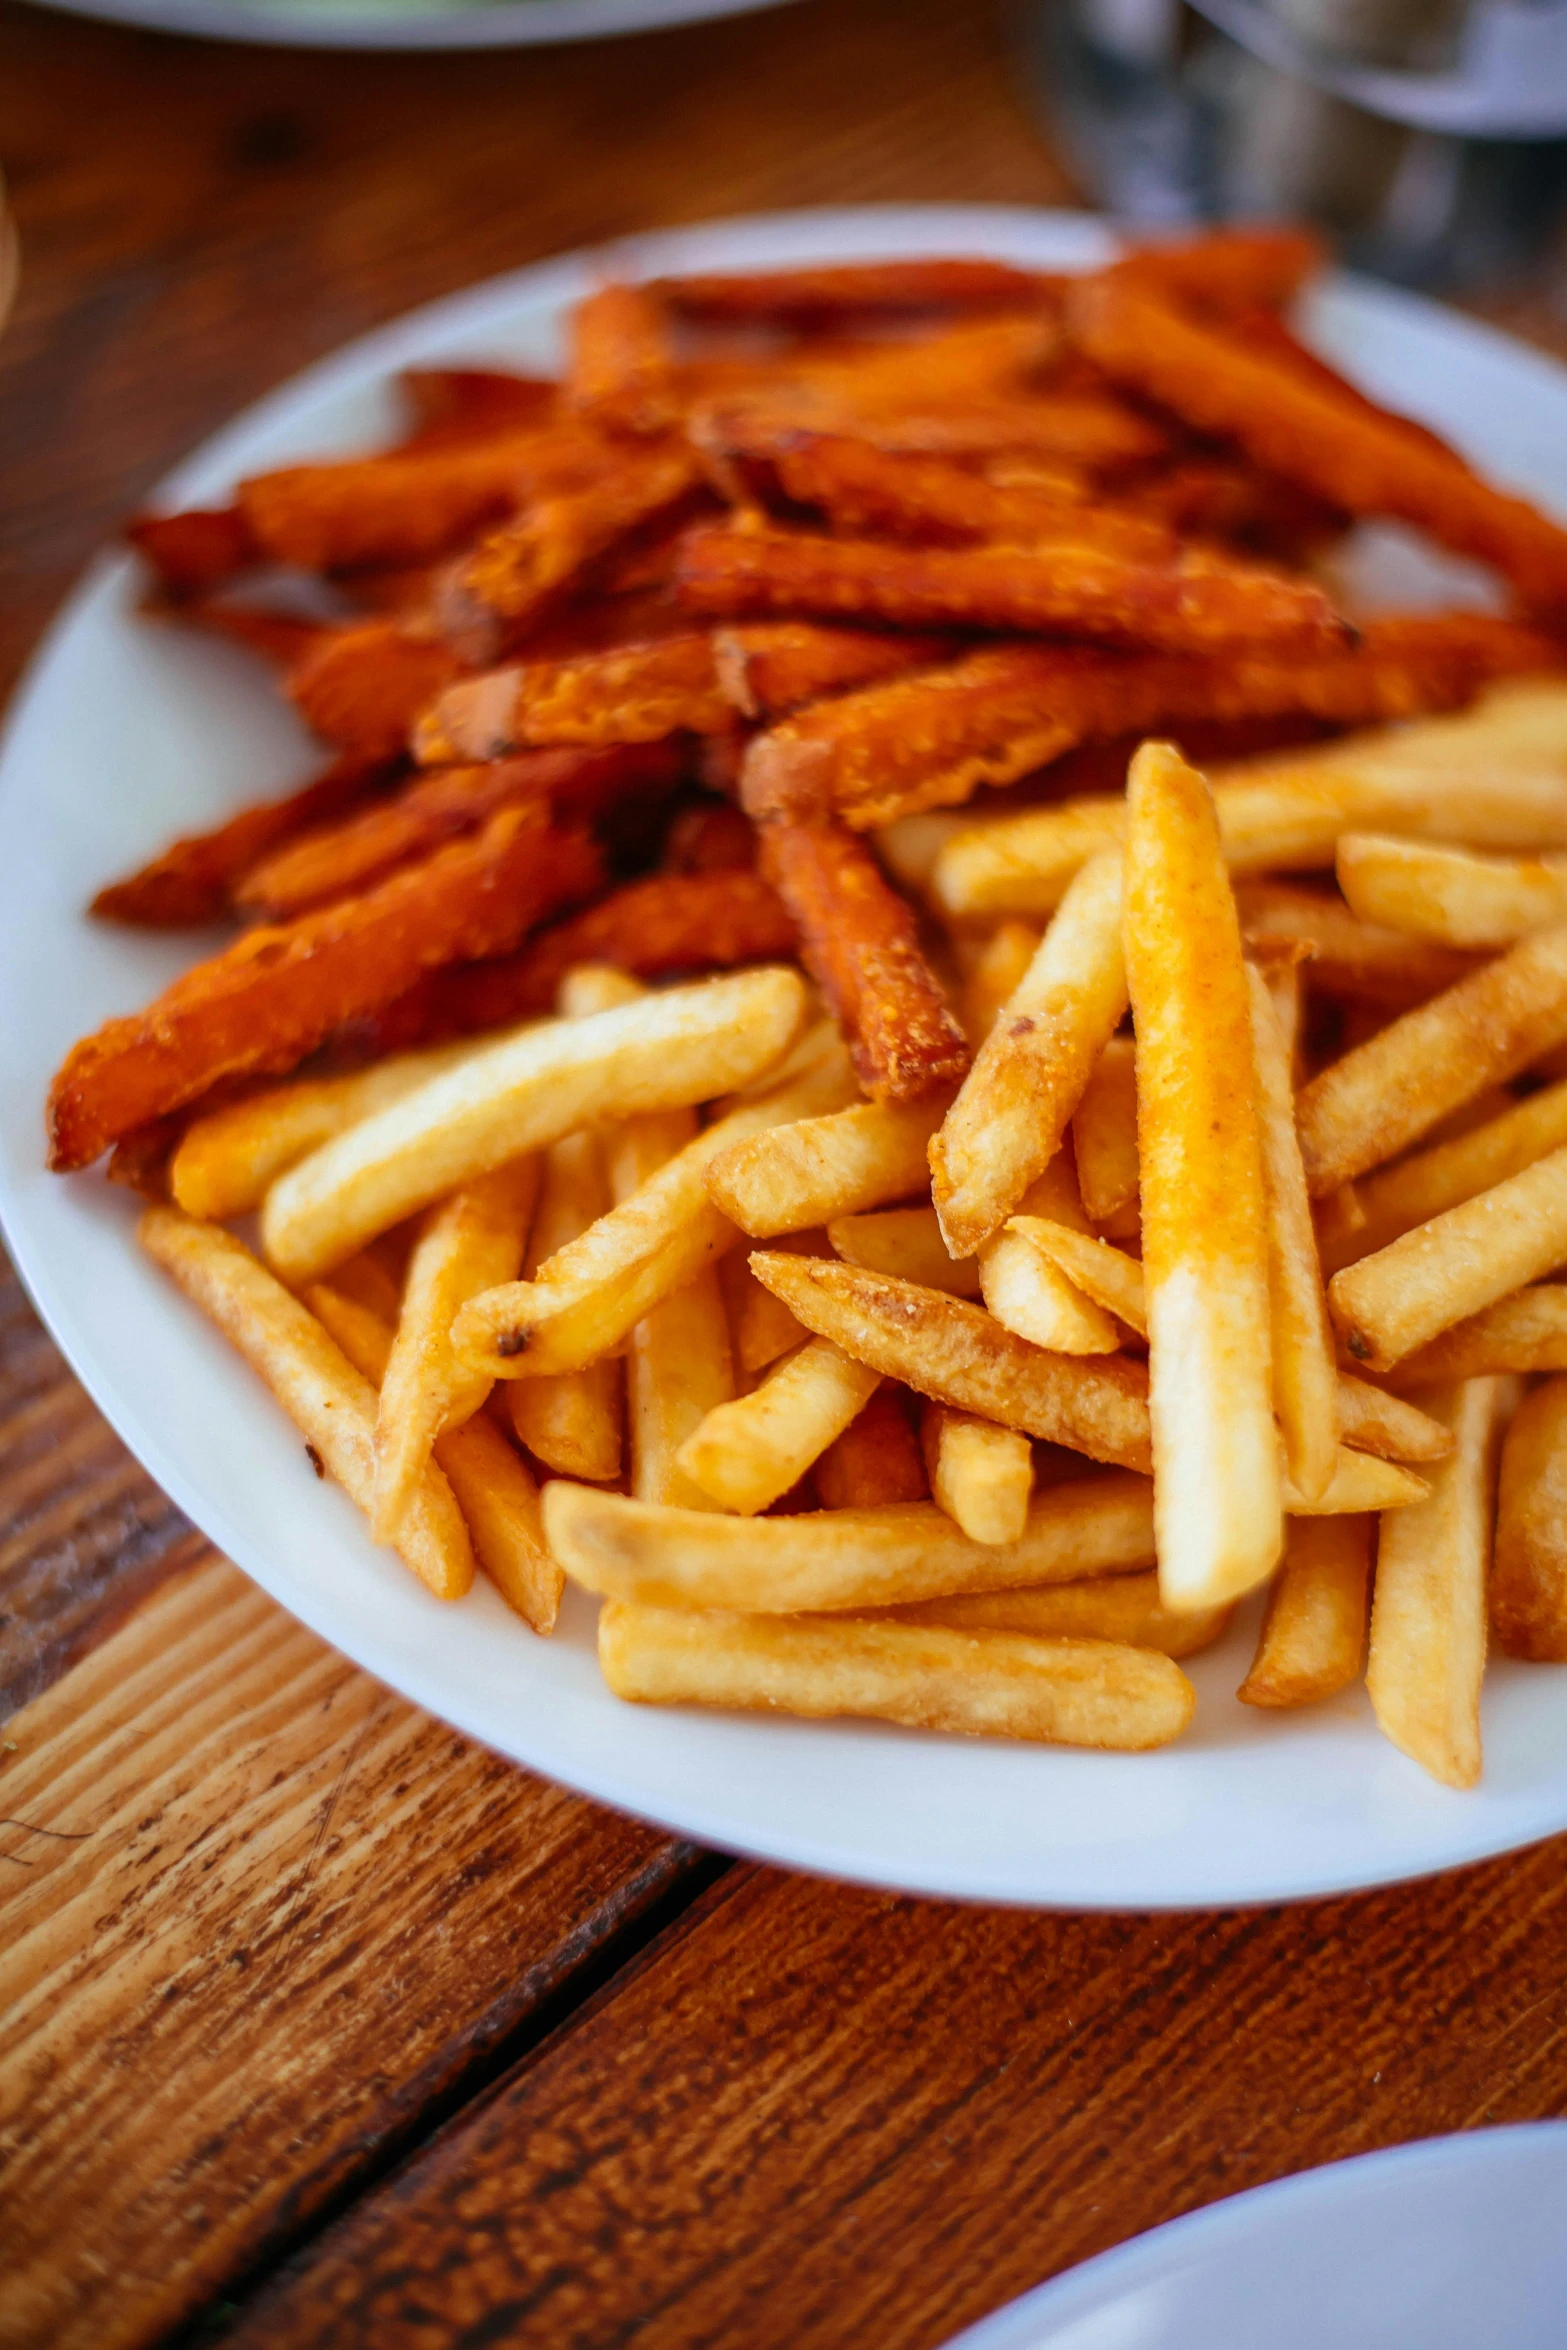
(741, 825)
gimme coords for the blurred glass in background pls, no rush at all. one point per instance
(1427, 137)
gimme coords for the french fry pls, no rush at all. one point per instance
(519, 1095)
(1012, 1109)
(620, 371)
(1193, 604)
(998, 969)
(1385, 1094)
(1361, 962)
(1111, 1607)
(264, 1002)
(907, 1243)
(1313, 1639)
(1523, 1333)
(979, 1684)
(1360, 1481)
(813, 1170)
(859, 941)
(1453, 896)
(1104, 1142)
(1371, 1420)
(981, 1475)
(957, 1354)
(587, 1298)
(1204, 1221)
(1529, 1574)
(224, 1163)
(1445, 1271)
(748, 1452)
(1107, 1275)
(467, 1243)
(571, 1422)
(840, 1560)
(1305, 1374)
(760, 1328)
(330, 1403)
(875, 1461)
(498, 1498)
(1428, 1614)
(1027, 1292)
(1397, 1198)
(679, 1367)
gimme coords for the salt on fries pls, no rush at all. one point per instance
(710, 617)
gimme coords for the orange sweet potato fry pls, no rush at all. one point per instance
(196, 551)
(710, 836)
(1090, 431)
(394, 509)
(490, 597)
(844, 287)
(338, 859)
(670, 922)
(279, 637)
(626, 694)
(1193, 605)
(620, 371)
(857, 938)
(193, 880)
(929, 741)
(1360, 461)
(364, 687)
(451, 406)
(1226, 271)
(775, 666)
(270, 998)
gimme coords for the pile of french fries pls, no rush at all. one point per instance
(771, 1086)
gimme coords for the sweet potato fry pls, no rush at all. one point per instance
(1529, 1574)
(838, 287)
(192, 881)
(876, 1461)
(363, 687)
(1360, 962)
(1011, 1112)
(629, 694)
(958, 1355)
(1429, 1182)
(490, 597)
(1226, 270)
(1385, 1094)
(264, 1002)
(338, 859)
(1455, 897)
(396, 509)
(1313, 1638)
(195, 551)
(451, 405)
(858, 940)
(1192, 604)
(1304, 433)
(1205, 1248)
(771, 667)
(620, 369)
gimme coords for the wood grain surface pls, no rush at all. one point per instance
(258, 1918)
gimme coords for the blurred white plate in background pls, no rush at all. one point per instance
(407, 24)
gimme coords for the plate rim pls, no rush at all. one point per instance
(540, 284)
(477, 24)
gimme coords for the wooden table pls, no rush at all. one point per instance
(317, 2023)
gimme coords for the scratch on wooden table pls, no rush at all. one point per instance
(299, 1899)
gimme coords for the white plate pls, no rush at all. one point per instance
(407, 24)
(126, 733)
(1456, 2244)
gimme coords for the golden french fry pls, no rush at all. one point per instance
(910, 845)
(369, 1282)
(330, 1403)
(468, 1243)
(1444, 1272)
(1313, 1638)
(981, 1475)
(1523, 1333)
(1455, 896)
(596, 987)
(746, 1453)
(679, 1366)
(1371, 1420)
(1112, 1607)
(1107, 1275)
(1205, 1235)
(1529, 1577)
(1397, 1198)
(495, 1492)
(1360, 1481)
(996, 973)
(806, 1173)
(587, 1298)
(1428, 1614)
(225, 1163)
(1028, 1077)
(907, 1243)
(506, 1098)
(979, 1684)
(836, 1560)
(958, 1354)
(1305, 1372)
(1104, 1138)
(1388, 1092)
(1031, 1296)
(761, 1328)
(1281, 977)
(875, 1461)
(571, 1419)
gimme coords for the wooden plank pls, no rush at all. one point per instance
(295, 1914)
(825, 2117)
(84, 1532)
